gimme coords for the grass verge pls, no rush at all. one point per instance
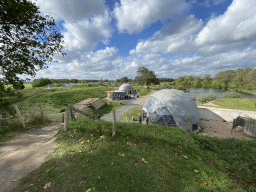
(141, 90)
(132, 112)
(235, 103)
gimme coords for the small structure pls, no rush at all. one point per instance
(94, 103)
(66, 85)
(172, 108)
(127, 88)
(115, 95)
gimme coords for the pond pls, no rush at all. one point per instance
(197, 91)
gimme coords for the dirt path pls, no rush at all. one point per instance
(24, 153)
(221, 129)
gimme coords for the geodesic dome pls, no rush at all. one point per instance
(172, 107)
(126, 87)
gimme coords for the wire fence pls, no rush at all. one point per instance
(248, 123)
(25, 112)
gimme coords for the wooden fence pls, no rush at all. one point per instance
(69, 109)
(21, 116)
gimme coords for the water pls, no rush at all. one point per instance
(197, 91)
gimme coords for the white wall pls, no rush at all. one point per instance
(221, 114)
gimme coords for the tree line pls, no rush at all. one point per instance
(239, 79)
(46, 81)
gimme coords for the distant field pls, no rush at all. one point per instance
(27, 85)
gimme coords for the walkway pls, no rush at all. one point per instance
(134, 103)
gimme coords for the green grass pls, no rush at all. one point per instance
(132, 112)
(55, 100)
(235, 103)
(141, 90)
(27, 85)
(143, 158)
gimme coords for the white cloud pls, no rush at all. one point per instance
(173, 38)
(135, 15)
(71, 11)
(85, 34)
(237, 24)
(104, 54)
(86, 22)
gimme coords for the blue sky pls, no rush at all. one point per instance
(110, 39)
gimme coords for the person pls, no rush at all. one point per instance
(137, 95)
(134, 94)
(140, 118)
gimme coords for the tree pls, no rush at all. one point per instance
(190, 80)
(27, 42)
(101, 82)
(225, 77)
(73, 80)
(206, 83)
(146, 77)
(197, 81)
(179, 80)
(124, 79)
(41, 82)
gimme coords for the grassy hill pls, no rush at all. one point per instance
(143, 158)
(138, 158)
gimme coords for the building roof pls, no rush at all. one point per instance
(126, 87)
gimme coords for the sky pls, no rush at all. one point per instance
(110, 39)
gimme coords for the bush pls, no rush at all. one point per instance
(231, 94)
(6, 108)
(194, 98)
(206, 97)
(41, 82)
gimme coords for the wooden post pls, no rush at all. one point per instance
(187, 132)
(19, 115)
(66, 119)
(114, 123)
(42, 114)
(71, 114)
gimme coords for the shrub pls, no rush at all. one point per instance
(194, 98)
(206, 97)
(180, 87)
(41, 82)
(231, 94)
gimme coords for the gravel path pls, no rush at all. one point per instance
(24, 153)
(134, 103)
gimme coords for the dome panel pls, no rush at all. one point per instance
(176, 104)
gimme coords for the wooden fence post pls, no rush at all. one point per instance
(66, 119)
(114, 123)
(19, 114)
(42, 114)
(71, 114)
(187, 132)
